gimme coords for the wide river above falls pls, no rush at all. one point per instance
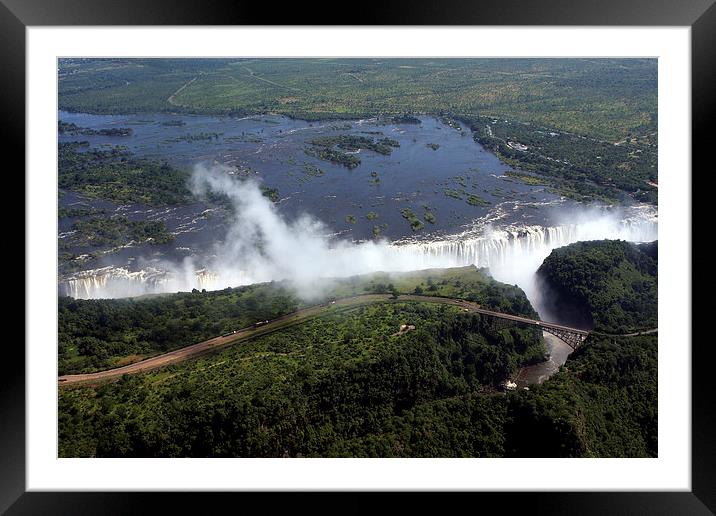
(272, 149)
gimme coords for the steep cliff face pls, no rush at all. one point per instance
(610, 285)
(603, 403)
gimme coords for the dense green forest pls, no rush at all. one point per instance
(613, 282)
(318, 389)
(603, 403)
(97, 334)
(352, 384)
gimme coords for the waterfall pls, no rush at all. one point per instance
(512, 253)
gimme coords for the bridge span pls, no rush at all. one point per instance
(572, 336)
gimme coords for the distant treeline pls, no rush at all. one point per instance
(602, 98)
(73, 129)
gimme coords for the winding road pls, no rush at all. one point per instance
(288, 320)
(171, 100)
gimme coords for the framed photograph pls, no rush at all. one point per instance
(419, 252)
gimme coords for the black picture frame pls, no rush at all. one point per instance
(700, 15)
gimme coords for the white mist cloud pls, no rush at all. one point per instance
(261, 245)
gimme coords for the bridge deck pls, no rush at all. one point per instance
(525, 320)
(572, 336)
(474, 307)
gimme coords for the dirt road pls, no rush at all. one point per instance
(279, 323)
(210, 345)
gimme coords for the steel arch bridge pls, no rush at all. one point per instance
(573, 337)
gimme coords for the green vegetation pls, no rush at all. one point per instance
(612, 281)
(454, 124)
(116, 175)
(244, 138)
(603, 403)
(471, 199)
(455, 194)
(334, 156)
(336, 386)
(173, 123)
(348, 383)
(202, 136)
(371, 215)
(574, 164)
(476, 200)
(72, 262)
(378, 230)
(103, 232)
(91, 237)
(352, 143)
(350, 219)
(270, 193)
(351, 383)
(587, 127)
(415, 223)
(603, 98)
(526, 179)
(82, 211)
(310, 171)
(96, 334)
(327, 148)
(73, 129)
(401, 119)
(434, 146)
